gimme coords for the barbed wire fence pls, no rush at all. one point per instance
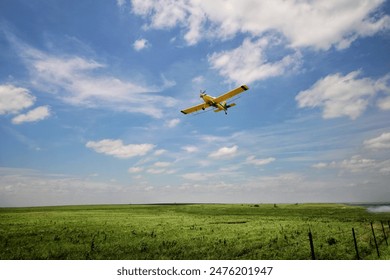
(359, 242)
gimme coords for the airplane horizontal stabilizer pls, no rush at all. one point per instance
(227, 106)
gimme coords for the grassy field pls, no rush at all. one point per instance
(197, 231)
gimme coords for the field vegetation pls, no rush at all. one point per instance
(192, 231)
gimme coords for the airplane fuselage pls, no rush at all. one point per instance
(210, 100)
(220, 102)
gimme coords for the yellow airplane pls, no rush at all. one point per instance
(217, 102)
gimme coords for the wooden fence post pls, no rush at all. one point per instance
(376, 244)
(355, 242)
(384, 233)
(313, 256)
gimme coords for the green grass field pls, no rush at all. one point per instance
(193, 231)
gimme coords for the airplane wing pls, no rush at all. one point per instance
(195, 108)
(231, 93)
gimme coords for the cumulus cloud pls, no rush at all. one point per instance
(355, 164)
(161, 167)
(340, 95)
(198, 80)
(197, 176)
(224, 152)
(117, 149)
(135, 169)
(303, 23)
(172, 123)
(380, 142)
(190, 149)
(320, 165)
(319, 25)
(168, 13)
(155, 171)
(263, 161)
(160, 152)
(34, 115)
(14, 99)
(162, 164)
(141, 44)
(249, 62)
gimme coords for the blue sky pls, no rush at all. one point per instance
(91, 93)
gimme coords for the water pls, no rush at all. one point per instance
(378, 208)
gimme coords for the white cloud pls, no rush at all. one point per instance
(255, 161)
(160, 152)
(141, 44)
(380, 142)
(135, 169)
(117, 149)
(198, 80)
(355, 164)
(172, 123)
(303, 23)
(212, 138)
(82, 82)
(37, 114)
(320, 165)
(340, 95)
(162, 164)
(164, 14)
(197, 176)
(384, 86)
(224, 152)
(156, 170)
(160, 168)
(248, 62)
(121, 3)
(14, 99)
(384, 103)
(190, 149)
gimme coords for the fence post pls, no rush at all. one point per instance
(384, 233)
(376, 244)
(356, 246)
(313, 256)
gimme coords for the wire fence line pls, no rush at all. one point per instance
(358, 242)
